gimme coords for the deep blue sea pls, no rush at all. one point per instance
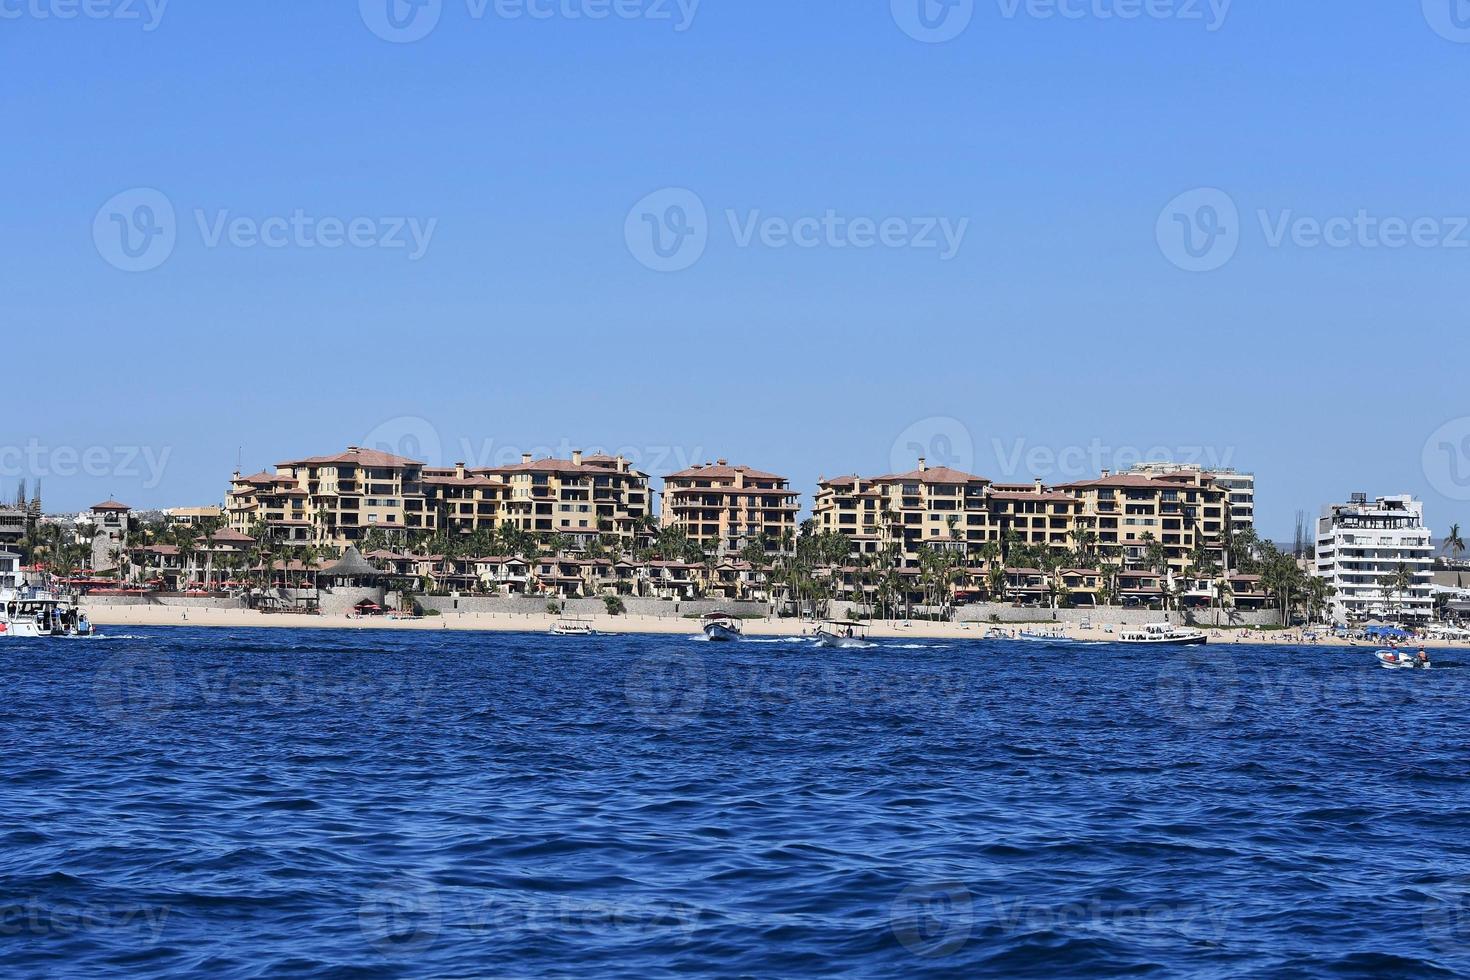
(263, 803)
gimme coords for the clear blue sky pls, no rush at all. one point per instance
(530, 322)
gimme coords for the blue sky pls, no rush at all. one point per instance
(1065, 330)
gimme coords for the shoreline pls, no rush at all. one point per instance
(103, 615)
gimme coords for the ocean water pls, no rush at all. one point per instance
(377, 804)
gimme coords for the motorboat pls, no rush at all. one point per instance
(572, 627)
(33, 612)
(1401, 660)
(723, 628)
(842, 634)
(1163, 634)
(1055, 637)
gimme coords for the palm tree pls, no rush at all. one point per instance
(1398, 583)
(1453, 543)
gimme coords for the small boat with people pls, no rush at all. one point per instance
(842, 634)
(1403, 660)
(1163, 634)
(723, 628)
(34, 612)
(573, 626)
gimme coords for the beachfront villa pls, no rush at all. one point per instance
(1377, 555)
(1241, 488)
(1125, 514)
(724, 508)
(338, 500)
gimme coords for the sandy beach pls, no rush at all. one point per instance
(105, 615)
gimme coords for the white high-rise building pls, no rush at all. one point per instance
(1240, 487)
(1360, 547)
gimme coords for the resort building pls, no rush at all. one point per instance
(1239, 487)
(12, 525)
(581, 498)
(1377, 555)
(10, 575)
(724, 508)
(1031, 514)
(1126, 514)
(338, 500)
(192, 516)
(936, 507)
(333, 500)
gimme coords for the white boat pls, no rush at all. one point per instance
(1163, 634)
(32, 612)
(722, 628)
(846, 635)
(1401, 660)
(572, 627)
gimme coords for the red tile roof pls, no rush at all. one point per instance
(110, 505)
(361, 457)
(934, 474)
